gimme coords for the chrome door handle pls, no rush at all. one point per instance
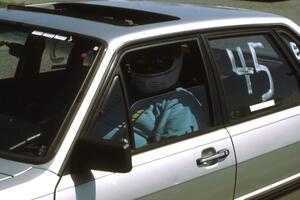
(212, 159)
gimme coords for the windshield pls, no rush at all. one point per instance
(40, 76)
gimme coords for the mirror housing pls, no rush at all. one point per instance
(104, 155)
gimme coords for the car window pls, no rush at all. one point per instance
(168, 92)
(34, 103)
(254, 74)
(55, 55)
(111, 122)
(293, 45)
(8, 39)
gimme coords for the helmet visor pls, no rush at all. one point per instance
(151, 66)
(156, 60)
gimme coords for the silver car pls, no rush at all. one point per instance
(147, 100)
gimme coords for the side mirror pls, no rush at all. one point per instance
(104, 155)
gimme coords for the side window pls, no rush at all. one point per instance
(168, 92)
(293, 45)
(10, 50)
(255, 75)
(111, 123)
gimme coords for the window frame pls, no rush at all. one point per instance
(114, 70)
(281, 30)
(240, 32)
(216, 119)
(115, 80)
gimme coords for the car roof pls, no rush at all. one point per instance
(187, 17)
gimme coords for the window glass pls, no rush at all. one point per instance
(33, 105)
(111, 123)
(168, 92)
(9, 62)
(292, 45)
(255, 75)
(55, 55)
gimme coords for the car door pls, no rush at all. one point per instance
(262, 95)
(194, 162)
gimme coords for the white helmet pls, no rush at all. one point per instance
(154, 75)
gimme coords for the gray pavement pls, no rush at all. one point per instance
(288, 8)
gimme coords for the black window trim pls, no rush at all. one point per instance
(218, 82)
(95, 107)
(214, 106)
(218, 117)
(247, 31)
(281, 30)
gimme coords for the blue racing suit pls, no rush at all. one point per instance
(153, 119)
(163, 116)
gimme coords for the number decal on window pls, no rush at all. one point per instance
(241, 71)
(262, 68)
(295, 50)
(247, 71)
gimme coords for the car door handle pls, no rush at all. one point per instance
(212, 159)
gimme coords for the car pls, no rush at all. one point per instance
(148, 100)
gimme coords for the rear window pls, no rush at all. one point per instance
(255, 74)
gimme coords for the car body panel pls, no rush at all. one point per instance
(267, 151)
(31, 184)
(114, 46)
(12, 168)
(163, 173)
(17, 180)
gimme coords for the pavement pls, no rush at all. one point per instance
(287, 8)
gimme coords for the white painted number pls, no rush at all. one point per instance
(247, 71)
(241, 71)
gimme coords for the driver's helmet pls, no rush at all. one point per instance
(157, 69)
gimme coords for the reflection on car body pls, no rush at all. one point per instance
(148, 100)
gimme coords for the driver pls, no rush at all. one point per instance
(166, 110)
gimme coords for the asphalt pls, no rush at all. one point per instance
(287, 8)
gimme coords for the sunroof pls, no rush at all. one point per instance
(106, 14)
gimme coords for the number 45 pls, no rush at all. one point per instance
(247, 71)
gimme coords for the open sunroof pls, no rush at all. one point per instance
(106, 14)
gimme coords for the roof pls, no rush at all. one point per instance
(189, 17)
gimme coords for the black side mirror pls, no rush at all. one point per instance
(104, 155)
